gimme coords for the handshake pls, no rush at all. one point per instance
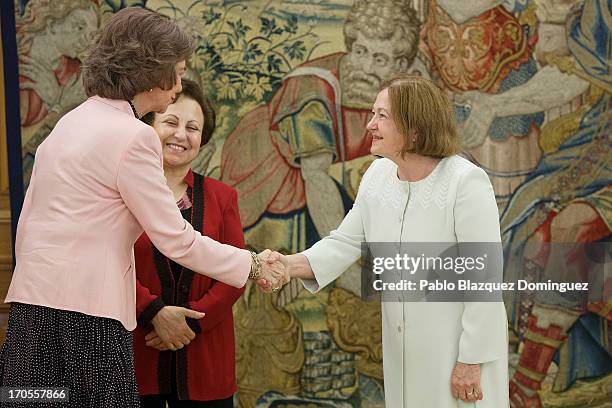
(272, 270)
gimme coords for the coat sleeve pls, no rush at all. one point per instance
(141, 183)
(334, 254)
(217, 302)
(147, 304)
(485, 330)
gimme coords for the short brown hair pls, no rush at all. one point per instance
(385, 20)
(193, 91)
(138, 50)
(417, 104)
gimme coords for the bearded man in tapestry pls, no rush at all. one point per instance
(279, 155)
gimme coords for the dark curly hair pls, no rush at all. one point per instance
(193, 91)
(137, 51)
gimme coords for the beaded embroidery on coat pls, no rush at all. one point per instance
(381, 185)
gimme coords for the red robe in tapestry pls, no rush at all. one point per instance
(479, 53)
(206, 367)
(258, 161)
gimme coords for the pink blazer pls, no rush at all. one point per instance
(97, 183)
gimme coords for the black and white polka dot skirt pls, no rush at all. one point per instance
(91, 356)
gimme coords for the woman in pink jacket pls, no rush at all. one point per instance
(96, 185)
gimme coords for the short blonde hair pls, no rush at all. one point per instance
(417, 104)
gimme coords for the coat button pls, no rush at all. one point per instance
(399, 329)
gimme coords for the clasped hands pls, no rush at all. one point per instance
(171, 331)
(275, 271)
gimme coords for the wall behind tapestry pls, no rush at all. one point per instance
(293, 81)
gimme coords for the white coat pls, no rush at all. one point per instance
(422, 341)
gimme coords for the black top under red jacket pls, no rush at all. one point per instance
(205, 369)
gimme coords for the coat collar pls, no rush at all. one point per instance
(119, 104)
(188, 178)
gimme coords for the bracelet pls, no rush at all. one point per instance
(255, 267)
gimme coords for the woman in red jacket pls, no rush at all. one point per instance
(196, 368)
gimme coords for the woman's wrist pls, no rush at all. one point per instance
(299, 266)
(256, 268)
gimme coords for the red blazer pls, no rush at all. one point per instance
(206, 367)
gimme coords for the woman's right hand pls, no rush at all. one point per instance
(153, 340)
(171, 326)
(279, 264)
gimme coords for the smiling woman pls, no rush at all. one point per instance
(180, 132)
(183, 129)
(435, 354)
(166, 291)
(405, 130)
(185, 126)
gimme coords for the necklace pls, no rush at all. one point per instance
(133, 109)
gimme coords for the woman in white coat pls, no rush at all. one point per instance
(435, 354)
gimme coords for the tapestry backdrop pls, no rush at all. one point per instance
(293, 80)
